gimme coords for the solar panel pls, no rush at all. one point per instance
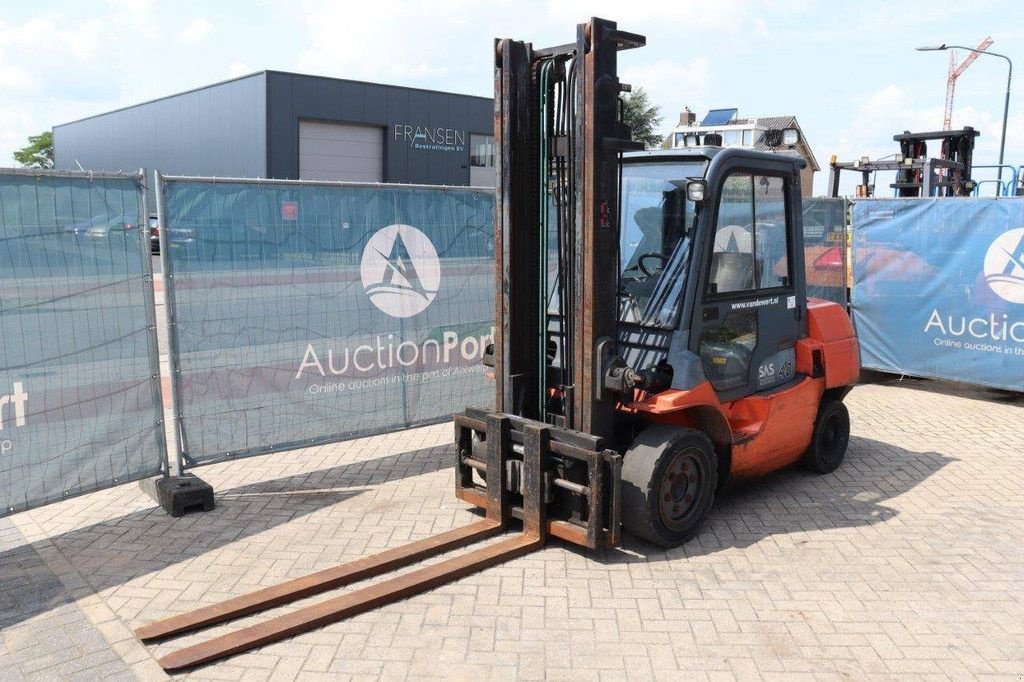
(719, 117)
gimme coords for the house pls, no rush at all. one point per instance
(745, 132)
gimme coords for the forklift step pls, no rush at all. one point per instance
(353, 603)
(321, 581)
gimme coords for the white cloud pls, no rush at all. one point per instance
(32, 32)
(83, 40)
(239, 68)
(643, 13)
(672, 85)
(14, 79)
(196, 31)
(55, 67)
(387, 41)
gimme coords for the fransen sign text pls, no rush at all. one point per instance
(431, 139)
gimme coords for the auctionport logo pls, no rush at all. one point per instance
(1004, 266)
(400, 270)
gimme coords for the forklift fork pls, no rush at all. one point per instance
(523, 459)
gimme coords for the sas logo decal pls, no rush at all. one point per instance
(400, 270)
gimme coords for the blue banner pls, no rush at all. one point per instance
(938, 288)
(308, 312)
(79, 388)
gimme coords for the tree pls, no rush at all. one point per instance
(38, 153)
(642, 118)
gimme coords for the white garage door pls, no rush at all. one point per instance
(335, 151)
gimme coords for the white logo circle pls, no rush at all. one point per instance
(1004, 266)
(400, 270)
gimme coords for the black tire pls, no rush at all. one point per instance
(669, 477)
(830, 439)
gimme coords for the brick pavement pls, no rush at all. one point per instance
(907, 561)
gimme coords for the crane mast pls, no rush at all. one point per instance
(954, 72)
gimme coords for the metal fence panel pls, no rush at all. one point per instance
(825, 248)
(938, 288)
(79, 387)
(309, 312)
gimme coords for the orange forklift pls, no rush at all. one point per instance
(653, 341)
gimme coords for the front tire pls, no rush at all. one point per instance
(669, 476)
(830, 439)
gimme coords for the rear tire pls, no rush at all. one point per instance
(830, 439)
(669, 476)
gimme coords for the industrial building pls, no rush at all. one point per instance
(745, 132)
(274, 124)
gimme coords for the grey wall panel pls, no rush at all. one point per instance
(219, 130)
(448, 119)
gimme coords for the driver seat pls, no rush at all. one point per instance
(731, 271)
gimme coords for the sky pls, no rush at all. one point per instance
(847, 71)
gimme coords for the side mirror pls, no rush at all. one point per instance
(695, 190)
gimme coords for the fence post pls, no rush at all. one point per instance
(173, 360)
(150, 296)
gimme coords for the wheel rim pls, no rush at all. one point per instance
(831, 438)
(680, 490)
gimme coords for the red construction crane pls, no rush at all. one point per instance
(954, 73)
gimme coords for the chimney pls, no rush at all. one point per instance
(686, 117)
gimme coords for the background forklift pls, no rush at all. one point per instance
(653, 340)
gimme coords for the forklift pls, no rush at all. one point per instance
(653, 342)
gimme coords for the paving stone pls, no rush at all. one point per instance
(907, 561)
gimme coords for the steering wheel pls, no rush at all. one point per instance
(662, 258)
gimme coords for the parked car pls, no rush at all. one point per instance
(154, 234)
(177, 237)
(101, 226)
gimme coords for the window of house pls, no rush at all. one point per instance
(730, 138)
(748, 137)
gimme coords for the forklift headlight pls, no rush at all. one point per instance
(691, 141)
(790, 136)
(695, 190)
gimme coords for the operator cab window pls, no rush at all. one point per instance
(750, 250)
(750, 255)
(770, 233)
(656, 222)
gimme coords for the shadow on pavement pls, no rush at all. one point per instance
(113, 552)
(941, 386)
(795, 500)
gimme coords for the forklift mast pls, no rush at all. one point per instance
(559, 136)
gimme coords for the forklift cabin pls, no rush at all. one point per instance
(712, 288)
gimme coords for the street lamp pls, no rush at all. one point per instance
(1006, 105)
